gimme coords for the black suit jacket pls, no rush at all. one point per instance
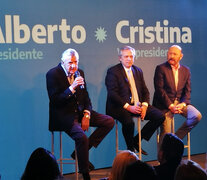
(64, 106)
(164, 83)
(118, 88)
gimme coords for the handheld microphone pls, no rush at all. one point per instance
(139, 104)
(77, 74)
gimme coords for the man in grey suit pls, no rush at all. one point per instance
(173, 92)
(128, 96)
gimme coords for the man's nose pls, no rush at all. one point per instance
(172, 55)
(73, 65)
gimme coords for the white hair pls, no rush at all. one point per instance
(127, 48)
(69, 53)
(177, 47)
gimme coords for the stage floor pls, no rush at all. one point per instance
(101, 173)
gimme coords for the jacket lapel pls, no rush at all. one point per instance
(171, 76)
(180, 78)
(123, 73)
(63, 75)
(137, 81)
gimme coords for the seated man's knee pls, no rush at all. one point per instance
(111, 122)
(193, 113)
(199, 116)
(83, 139)
(196, 117)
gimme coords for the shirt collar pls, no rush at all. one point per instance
(66, 73)
(127, 69)
(174, 67)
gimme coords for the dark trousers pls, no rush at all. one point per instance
(155, 117)
(104, 124)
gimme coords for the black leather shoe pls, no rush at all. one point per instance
(86, 176)
(90, 165)
(73, 155)
(136, 146)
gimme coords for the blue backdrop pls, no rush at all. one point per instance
(33, 34)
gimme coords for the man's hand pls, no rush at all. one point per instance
(179, 108)
(143, 112)
(77, 82)
(176, 109)
(134, 109)
(172, 108)
(85, 122)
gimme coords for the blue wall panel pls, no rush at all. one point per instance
(33, 34)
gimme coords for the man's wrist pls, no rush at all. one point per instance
(86, 113)
(170, 106)
(145, 104)
(72, 89)
(126, 106)
(87, 116)
(184, 104)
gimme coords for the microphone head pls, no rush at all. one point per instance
(77, 74)
(82, 86)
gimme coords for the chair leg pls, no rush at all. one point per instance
(61, 159)
(76, 165)
(188, 137)
(173, 131)
(140, 138)
(117, 138)
(52, 143)
(158, 139)
(173, 125)
(61, 154)
(188, 144)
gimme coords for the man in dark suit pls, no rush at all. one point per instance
(70, 108)
(173, 91)
(128, 96)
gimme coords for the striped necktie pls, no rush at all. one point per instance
(135, 98)
(70, 78)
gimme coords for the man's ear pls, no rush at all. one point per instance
(181, 56)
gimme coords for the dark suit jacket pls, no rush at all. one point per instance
(64, 106)
(119, 91)
(164, 83)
